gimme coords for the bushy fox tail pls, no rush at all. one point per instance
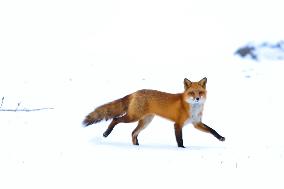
(108, 111)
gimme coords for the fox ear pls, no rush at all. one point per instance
(203, 82)
(187, 83)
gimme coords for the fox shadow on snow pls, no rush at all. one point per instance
(154, 146)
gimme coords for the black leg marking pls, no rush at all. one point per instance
(214, 133)
(178, 133)
(136, 141)
(113, 123)
(107, 132)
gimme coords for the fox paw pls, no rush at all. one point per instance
(106, 134)
(222, 139)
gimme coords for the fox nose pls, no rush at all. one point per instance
(197, 98)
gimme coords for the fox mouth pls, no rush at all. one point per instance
(195, 101)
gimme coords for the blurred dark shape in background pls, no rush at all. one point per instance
(265, 50)
(246, 51)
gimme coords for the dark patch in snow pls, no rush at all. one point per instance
(247, 51)
(265, 50)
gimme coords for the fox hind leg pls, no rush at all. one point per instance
(117, 120)
(113, 123)
(142, 124)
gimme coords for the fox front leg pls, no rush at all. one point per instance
(203, 127)
(178, 133)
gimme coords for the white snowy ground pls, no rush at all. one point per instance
(76, 55)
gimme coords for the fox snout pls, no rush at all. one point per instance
(195, 100)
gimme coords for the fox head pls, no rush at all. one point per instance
(195, 92)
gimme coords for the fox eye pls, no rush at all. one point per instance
(201, 93)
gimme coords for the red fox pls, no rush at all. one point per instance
(143, 105)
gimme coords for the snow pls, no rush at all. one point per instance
(76, 55)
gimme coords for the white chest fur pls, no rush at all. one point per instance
(195, 113)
